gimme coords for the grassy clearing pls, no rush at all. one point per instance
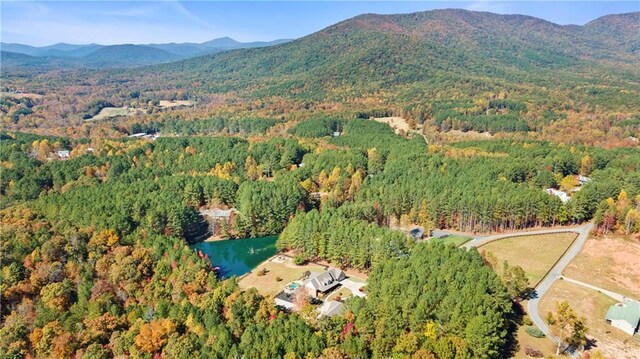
(109, 112)
(593, 306)
(610, 262)
(545, 345)
(454, 239)
(267, 284)
(20, 95)
(535, 254)
(398, 124)
(177, 103)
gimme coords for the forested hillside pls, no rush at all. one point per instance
(446, 69)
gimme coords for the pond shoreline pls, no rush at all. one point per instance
(236, 257)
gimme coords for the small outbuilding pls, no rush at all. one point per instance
(624, 316)
(417, 233)
(63, 154)
(330, 309)
(284, 300)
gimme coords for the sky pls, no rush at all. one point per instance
(42, 23)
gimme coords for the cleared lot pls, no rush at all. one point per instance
(593, 306)
(536, 254)
(610, 262)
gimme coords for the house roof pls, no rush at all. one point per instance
(336, 273)
(417, 232)
(222, 213)
(628, 311)
(285, 297)
(322, 281)
(331, 308)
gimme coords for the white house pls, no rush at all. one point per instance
(583, 179)
(564, 197)
(624, 316)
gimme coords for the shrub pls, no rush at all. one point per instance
(299, 260)
(535, 332)
(527, 321)
(278, 279)
(262, 272)
(533, 352)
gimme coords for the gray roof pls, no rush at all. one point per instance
(332, 308)
(336, 273)
(285, 297)
(326, 280)
(222, 213)
(323, 281)
(417, 233)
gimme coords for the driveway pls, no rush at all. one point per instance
(354, 287)
(556, 272)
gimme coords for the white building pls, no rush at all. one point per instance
(624, 316)
(564, 197)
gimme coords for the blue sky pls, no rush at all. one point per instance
(117, 22)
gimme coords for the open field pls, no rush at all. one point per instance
(20, 95)
(267, 284)
(169, 104)
(396, 123)
(457, 136)
(593, 306)
(545, 345)
(609, 262)
(536, 254)
(454, 239)
(109, 112)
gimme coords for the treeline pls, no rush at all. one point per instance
(167, 206)
(243, 126)
(437, 302)
(83, 293)
(316, 127)
(265, 207)
(337, 236)
(158, 186)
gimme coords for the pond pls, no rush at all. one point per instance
(238, 256)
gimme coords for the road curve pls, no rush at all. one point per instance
(544, 285)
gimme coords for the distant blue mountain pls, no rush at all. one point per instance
(95, 55)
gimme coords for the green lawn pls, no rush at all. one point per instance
(535, 254)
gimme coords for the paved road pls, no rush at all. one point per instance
(532, 306)
(481, 240)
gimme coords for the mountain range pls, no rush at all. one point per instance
(126, 55)
(411, 55)
(450, 68)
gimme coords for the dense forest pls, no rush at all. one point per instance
(96, 263)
